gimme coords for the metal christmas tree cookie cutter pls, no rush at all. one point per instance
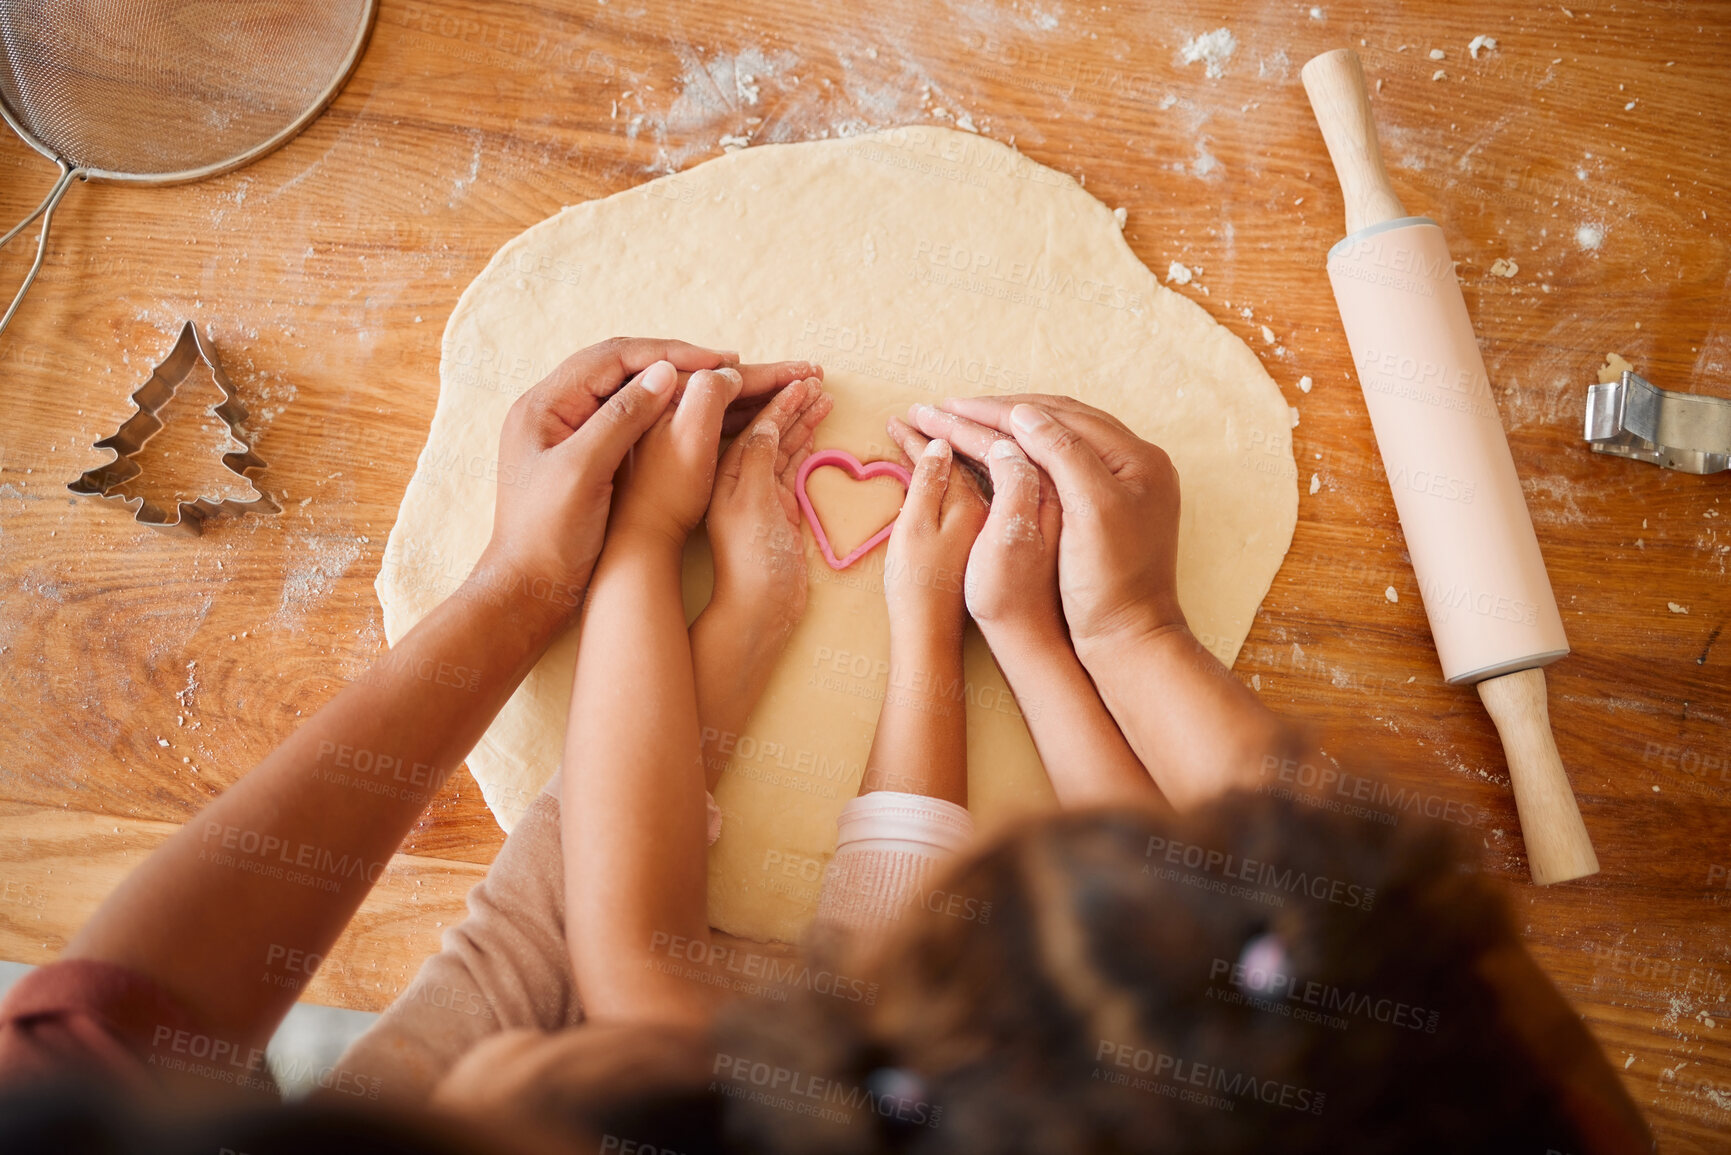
(188, 517)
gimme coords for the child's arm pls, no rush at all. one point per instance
(1012, 593)
(633, 811)
(760, 568)
(911, 811)
(920, 746)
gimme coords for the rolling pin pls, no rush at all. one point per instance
(1461, 508)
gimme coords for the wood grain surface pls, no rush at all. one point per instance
(143, 673)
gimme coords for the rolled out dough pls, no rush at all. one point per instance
(914, 264)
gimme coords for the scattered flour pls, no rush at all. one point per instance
(1391, 594)
(1276, 67)
(1437, 54)
(1121, 215)
(1205, 162)
(1675, 608)
(1488, 43)
(1504, 267)
(1213, 49)
(1304, 384)
(716, 97)
(1315, 483)
(312, 575)
(1178, 274)
(1590, 237)
(187, 694)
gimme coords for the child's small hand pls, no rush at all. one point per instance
(754, 518)
(1012, 580)
(928, 549)
(664, 485)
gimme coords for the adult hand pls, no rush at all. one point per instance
(1117, 555)
(565, 438)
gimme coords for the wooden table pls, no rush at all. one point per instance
(142, 673)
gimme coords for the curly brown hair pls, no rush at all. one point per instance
(1254, 975)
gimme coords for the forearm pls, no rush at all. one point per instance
(1198, 730)
(633, 810)
(732, 658)
(1085, 754)
(920, 745)
(284, 857)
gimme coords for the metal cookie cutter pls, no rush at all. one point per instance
(189, 516)
(1681, 431)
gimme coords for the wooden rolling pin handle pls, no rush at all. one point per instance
(1335, 82)
(1558, 847)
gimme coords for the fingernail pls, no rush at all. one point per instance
(1029, 418)
(733, 353)
(937, 447)
(1006, 450)
(659, 378)
(923, 412)
(731, 374)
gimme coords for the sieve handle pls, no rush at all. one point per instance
(45, 210)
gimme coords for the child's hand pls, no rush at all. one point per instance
(754, 517)
(1012, 578)
(664, 485)
(928, 549)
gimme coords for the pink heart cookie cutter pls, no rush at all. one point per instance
(859, 471)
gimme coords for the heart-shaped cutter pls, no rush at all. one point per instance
(859, 471)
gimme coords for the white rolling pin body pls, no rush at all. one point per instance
(1461, 507)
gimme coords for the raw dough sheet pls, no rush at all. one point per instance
(914, 264)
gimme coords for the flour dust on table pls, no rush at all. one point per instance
(914, 264)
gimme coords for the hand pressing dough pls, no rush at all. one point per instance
(914, 264)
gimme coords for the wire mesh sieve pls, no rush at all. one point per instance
(165, 91)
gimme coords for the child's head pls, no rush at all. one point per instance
(1249, 977)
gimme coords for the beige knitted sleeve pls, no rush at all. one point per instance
(888, 846)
